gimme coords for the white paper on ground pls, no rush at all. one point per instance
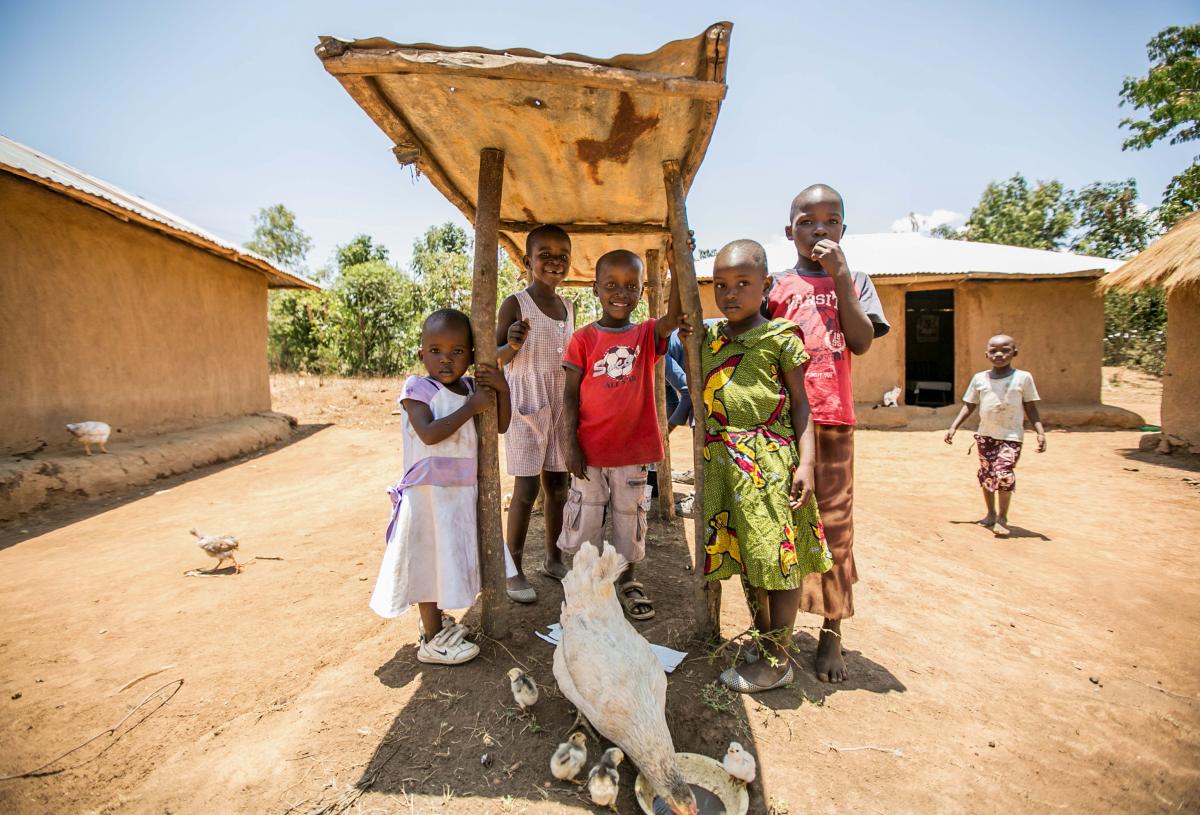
(669, 657)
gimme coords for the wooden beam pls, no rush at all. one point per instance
(483, 325)
(706, 596)
(589, 229)
(458, 65)
(666, 493)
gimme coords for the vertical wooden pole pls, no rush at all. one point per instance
(483, 325)
(706, 596)
(666, 492)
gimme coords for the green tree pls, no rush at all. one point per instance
(1169, 92)
(1181, 198)
(1170, 95)
(277, 237)
(369, 306)
(1110, 221)
(1112, 224)
(360, 249)
(1010, 212)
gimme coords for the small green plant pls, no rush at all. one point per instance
(718, 698)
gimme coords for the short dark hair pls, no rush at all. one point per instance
(822, 189)
(753, 250)
(622, 257)
(543, 231)
(451, 318)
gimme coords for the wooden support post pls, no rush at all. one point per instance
(666, 492)
(483, 326)
(706, 596)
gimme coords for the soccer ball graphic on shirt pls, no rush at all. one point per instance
(617, 362)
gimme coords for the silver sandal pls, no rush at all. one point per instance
(733, 680)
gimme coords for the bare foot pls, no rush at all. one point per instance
(830, 665)
(1000, 530)
(553, 567)
(987, 520)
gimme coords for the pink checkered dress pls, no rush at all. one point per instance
(536, 437)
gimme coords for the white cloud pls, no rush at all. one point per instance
(918, 222)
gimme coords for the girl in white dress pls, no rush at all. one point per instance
(432, 556)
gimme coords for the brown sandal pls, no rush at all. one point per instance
(630, 602)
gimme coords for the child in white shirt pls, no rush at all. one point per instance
(1004, 396)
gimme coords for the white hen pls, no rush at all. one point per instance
(89, 433)
(607, 670)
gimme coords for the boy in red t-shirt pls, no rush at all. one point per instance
(839, 314)
(609, 406)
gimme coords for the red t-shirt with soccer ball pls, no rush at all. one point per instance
(618, 419)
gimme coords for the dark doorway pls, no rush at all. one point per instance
(929, 347)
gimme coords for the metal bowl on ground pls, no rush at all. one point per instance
(707, 774)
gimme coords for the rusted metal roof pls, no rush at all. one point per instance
(584, 138)
(19, 160)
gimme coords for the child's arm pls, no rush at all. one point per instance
(856, 325)
(489, 377)
(431, 430)
(967, 409)
(803, 480)
(510, 330)
(676, 317)
(576, 463)
(1035, 418)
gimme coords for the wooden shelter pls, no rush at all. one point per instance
(605, 148)
(1173, 263)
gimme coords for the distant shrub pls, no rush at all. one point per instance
(1135, 329)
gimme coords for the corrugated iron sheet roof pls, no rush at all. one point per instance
(907, 254)
(28, 163)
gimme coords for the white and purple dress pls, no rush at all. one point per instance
(432, 553)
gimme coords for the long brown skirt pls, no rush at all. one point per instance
(832, 594)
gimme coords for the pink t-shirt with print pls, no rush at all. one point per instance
(811, 302)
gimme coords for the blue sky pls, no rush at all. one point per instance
(215, 109)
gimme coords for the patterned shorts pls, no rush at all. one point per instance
(997, 462)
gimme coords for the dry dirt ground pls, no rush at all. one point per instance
(1057, 670)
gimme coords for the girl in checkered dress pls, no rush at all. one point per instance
(532, 331)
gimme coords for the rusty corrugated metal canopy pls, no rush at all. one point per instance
(584, 139)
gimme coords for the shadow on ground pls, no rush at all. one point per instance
(461, 736)
(39, 522)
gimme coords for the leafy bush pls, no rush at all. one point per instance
(1135, 329)
(297, 331)
(370, 305)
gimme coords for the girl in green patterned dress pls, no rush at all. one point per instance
(759, 509)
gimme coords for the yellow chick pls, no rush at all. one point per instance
(524, 689)
(570, 757)
(604, 780)
(739, 763)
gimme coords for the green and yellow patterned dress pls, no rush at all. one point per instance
(750, 454)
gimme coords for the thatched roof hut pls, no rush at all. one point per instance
(1173, 263)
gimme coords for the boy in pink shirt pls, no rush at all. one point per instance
(839, 314)
(611, 413)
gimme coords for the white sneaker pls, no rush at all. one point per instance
(449, 647)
